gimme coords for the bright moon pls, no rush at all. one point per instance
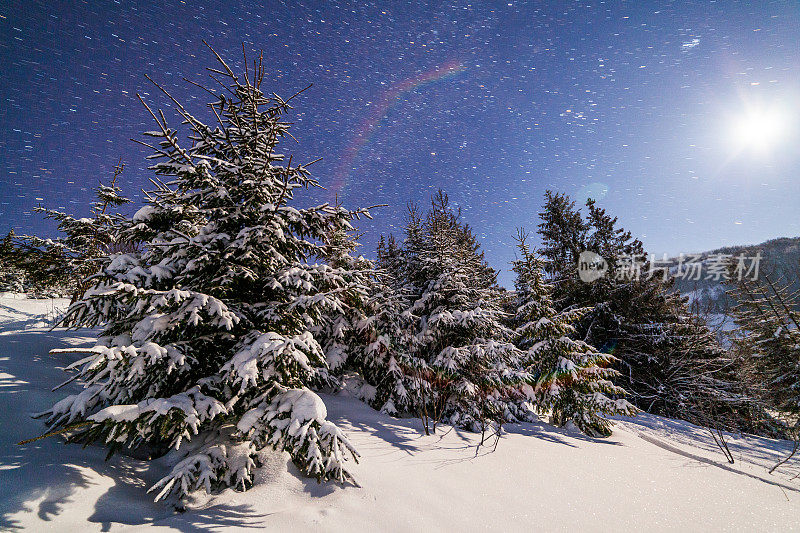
(758, 130)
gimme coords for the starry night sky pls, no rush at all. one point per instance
(494, 102)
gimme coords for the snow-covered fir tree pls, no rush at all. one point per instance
(66, 261)
(12, 278)
(463, 366)
(211, 335)
(390, 261)
(338, 328)
(382, 357)
(385, 363)
(366, 336)
(572, 377)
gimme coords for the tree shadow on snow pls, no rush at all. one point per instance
(681, 432)
(16, 319)
(346, 411)
(704, 460)
(40, 477)
(214, 518)
(45, 477)
(407, 434)
(752, 449)
(537, 430)
(556, 435)
(396, 432)
(49, 488)
(44, 487)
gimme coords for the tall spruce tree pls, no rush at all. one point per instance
(383, 353)
(626, 314)
(367, 336)
(12, 278)
(390, 261)
(464, 368)
(572, 377)
(211, 334)
(65, 262)
(338, 330)
(387, 365)
(669, 362)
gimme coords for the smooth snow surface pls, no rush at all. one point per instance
(653, 474)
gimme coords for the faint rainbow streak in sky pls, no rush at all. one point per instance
(371, 122)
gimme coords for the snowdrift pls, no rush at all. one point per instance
(652, 474)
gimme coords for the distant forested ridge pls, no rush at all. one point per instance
(780, 259)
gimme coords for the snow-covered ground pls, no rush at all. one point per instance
(652, 474)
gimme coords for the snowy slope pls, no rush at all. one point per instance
(652, 474)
